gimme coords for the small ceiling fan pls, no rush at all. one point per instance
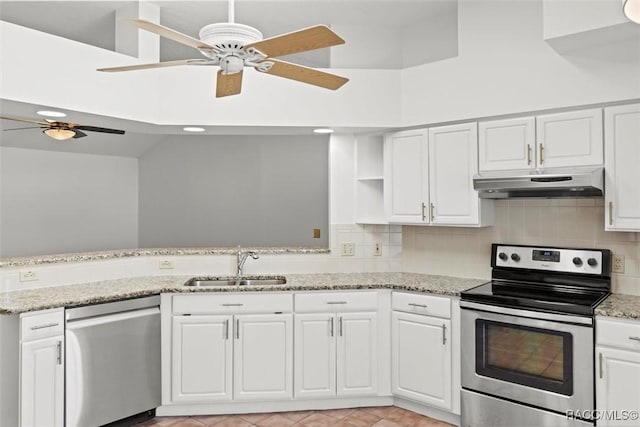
(234, 46)
(62, 130)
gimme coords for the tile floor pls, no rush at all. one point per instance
(384, 416)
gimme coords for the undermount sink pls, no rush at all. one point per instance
(241, 281)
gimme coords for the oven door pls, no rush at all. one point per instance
(539, 359)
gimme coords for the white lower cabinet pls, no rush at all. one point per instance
(42, 369)
(336, 344)
(225, 357)
(421, 350)
(617, 371)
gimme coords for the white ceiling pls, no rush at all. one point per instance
(379, 34)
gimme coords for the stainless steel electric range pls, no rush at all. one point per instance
(527, 346)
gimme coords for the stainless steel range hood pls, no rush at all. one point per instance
(564, 183)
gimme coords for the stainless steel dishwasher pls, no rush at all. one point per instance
(112, 361)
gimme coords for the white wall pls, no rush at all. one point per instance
(235, 190)
(504, 66)
(53, 202)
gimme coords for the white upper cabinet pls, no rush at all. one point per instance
(406, 185)
(453, 157)
(622, 168)
(507, 144)
(570, 139)
(429, 177)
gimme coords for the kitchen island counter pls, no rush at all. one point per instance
(112, 290)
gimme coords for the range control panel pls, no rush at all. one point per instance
(549, 259)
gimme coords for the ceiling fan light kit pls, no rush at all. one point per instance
(59, 133)
(47, 113)
(234, 46)
(631, 9)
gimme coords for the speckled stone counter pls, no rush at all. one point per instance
(104, 255)
(112, 290)
(619, 305)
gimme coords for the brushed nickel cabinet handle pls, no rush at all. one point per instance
(238, 329)
(59, 353)
(424, 217)
(610, 213)
(336, 302)
(232, 305)
(634, 338)
(541, 153)
(600, 364)
(331, 328)
(528, 154)
(444, 334)
(417, 305)
(431, 212)
(340, 326)
(48, 325)
(226, 329)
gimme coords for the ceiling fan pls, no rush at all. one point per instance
(62, 130)
(234, 46)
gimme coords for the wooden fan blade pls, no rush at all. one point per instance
(228, 84)
(304, 74)
(25, 120)
(155, 65)
(298, 41)
(170, 34)
(97, 129)
(78, 134)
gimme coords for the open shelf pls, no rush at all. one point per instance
(370, 179)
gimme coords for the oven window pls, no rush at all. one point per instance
(533, 357)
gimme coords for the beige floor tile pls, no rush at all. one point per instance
(386, 423)
(361, 418)
(210, 420)
(255, 418)
(275, 420)
(234, 421)
(337, 413)
(319, 420)
(381, 411)
(189, 422)
(296, 415)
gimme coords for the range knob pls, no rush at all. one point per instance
(577, 261)
(502, 256)
(592, 262)
(515, 257)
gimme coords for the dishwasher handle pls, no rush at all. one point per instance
(109, 318)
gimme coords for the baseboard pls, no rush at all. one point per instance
(438, 414)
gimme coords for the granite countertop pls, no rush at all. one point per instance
(619, 305)
(127, 253)
(111, 290)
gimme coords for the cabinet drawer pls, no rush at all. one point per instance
(421, 304)
(41, 324)
(336, 301)
(233, 303)
(621, 333)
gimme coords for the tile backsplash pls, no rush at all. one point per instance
(465, 252)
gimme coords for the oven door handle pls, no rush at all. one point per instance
(537, 315)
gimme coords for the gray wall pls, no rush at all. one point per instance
(234, 190)
(53, 202)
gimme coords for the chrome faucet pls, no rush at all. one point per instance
(242, 258)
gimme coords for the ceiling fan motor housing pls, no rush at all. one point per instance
(229, 36)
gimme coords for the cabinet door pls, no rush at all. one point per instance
(453, 160)
(570, 139)
(357, 349)
(421, 358)
(507, 144)
(42, 383)
(622, 174)
(406, 190)
(263, 357)
(201, 358)
(617, 385)
(315, 355)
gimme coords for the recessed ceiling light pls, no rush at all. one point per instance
(323, 130)
(193, 129)
(51, 113)
(631, 9)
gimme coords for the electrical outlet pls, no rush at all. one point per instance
(347, 249)
(618, 264)
(377, 249)
(29, 276)
(165, 265)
